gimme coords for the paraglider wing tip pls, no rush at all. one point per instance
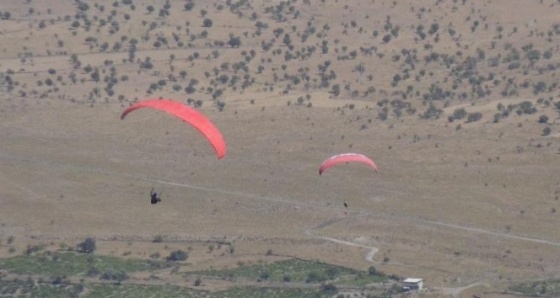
(124, 114)
(221, 152)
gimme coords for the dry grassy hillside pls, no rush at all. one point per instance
(456, 101)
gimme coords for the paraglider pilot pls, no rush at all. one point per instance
(154, 197)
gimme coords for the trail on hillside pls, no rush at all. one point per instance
(311, 232)
(285, 200)
(391, 216)
(299, 203)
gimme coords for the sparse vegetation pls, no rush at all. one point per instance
(115, 269)
(67, 263)
(292, 270)
(178, 255)
(538, 288)
(280, 79)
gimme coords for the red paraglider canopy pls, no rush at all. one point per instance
(189, 115)
(346, 157)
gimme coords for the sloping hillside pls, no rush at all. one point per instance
(456, 101)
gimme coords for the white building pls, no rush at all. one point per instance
(413, 284)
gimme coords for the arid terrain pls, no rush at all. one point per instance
(456, 101)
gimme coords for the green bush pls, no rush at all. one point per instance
(177, 256)
(88, 246)
(473, 117)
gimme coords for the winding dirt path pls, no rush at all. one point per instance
(369, 255)
(311, 232)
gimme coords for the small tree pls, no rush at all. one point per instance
(546, 131)
(221, 105)
(264, 276)
(473, 117)
(117, 276)
(459, 113)
(88, 246)
(207, 23)
(177, 256)
(329, 289)
(234, 42)
(335, 89)
(432, 112)
(543, 119)
(189, 6)
(387, 38)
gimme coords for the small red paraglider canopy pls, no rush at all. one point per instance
(346, 157)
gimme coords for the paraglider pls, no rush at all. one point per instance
(190, 116)
(344, 158)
